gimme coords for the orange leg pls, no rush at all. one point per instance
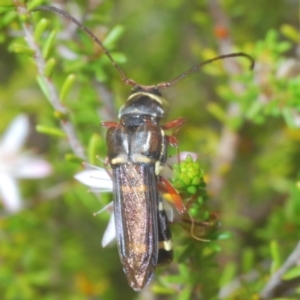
(166, 187)
(109, 124)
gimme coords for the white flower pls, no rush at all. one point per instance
(96, 178)
(17, 165)
(99, 180)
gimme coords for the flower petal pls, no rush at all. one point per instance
(33, 168)
(10, 195)
(185, 154)
(96, 178)
(110, 232)
(15, 136)
(166, 172)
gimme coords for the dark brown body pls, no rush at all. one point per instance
(137, 149)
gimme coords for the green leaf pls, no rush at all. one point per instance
(93, 148)
(228, 274)
(20, 48)
(67, 86)
(292, 273)
(254, 109)
(275, 254)
(49, 44)
(248, 259)
(43, 85)
(290, 32)
(34, 3)
(185, 293)
(73, 158)
(8, 17)
(217, 112)
(50, 64)
(40, 28)
(50, 130)
(158, 289)
(4, 9)
(113, 36)
(289, 117)
(225, 235)
(6, 3)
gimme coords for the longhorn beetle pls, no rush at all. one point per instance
(137, 150)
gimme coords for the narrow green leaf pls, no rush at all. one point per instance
(217, 112)
(93, 148)
(292, 273)
(4, 9)
(49, 43)
(113, 36)
(8, 17)
(40, 28)
(228, 274)
(185, 293)
(67, 86)
(120, 58)
(290, 32)
(254, 109)
(225, 235)
(34, 3)
(43, 86)
(19, 48)
(289, 117)
(73, 158)
(50, 64)
(248, 259)
(275, 254)
(6, 3)
(50, 130)
(60, 115)
(161, 290)
(213, 246)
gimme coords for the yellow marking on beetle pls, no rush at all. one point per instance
(138, 158)
(152, 96)
(158, 167)
(139, 188)
(160, 206)
(120, 159)
(138, 248)
(166, 245)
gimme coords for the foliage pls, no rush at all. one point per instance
(244, 126)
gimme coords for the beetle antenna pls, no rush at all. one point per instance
(124, 78)
(196, 68)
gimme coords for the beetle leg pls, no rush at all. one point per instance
(174, 124)
(109, 124)
(166, 187)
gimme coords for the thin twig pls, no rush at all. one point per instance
(226, 150)
(53, 94)
(276, 286)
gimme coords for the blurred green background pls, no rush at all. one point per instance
(244, 126)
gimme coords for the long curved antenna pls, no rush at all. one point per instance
(196, 68)
(124, 78)
(129, 81)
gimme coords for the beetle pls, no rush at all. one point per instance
(137, 150)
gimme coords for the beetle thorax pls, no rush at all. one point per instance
(142, 107)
